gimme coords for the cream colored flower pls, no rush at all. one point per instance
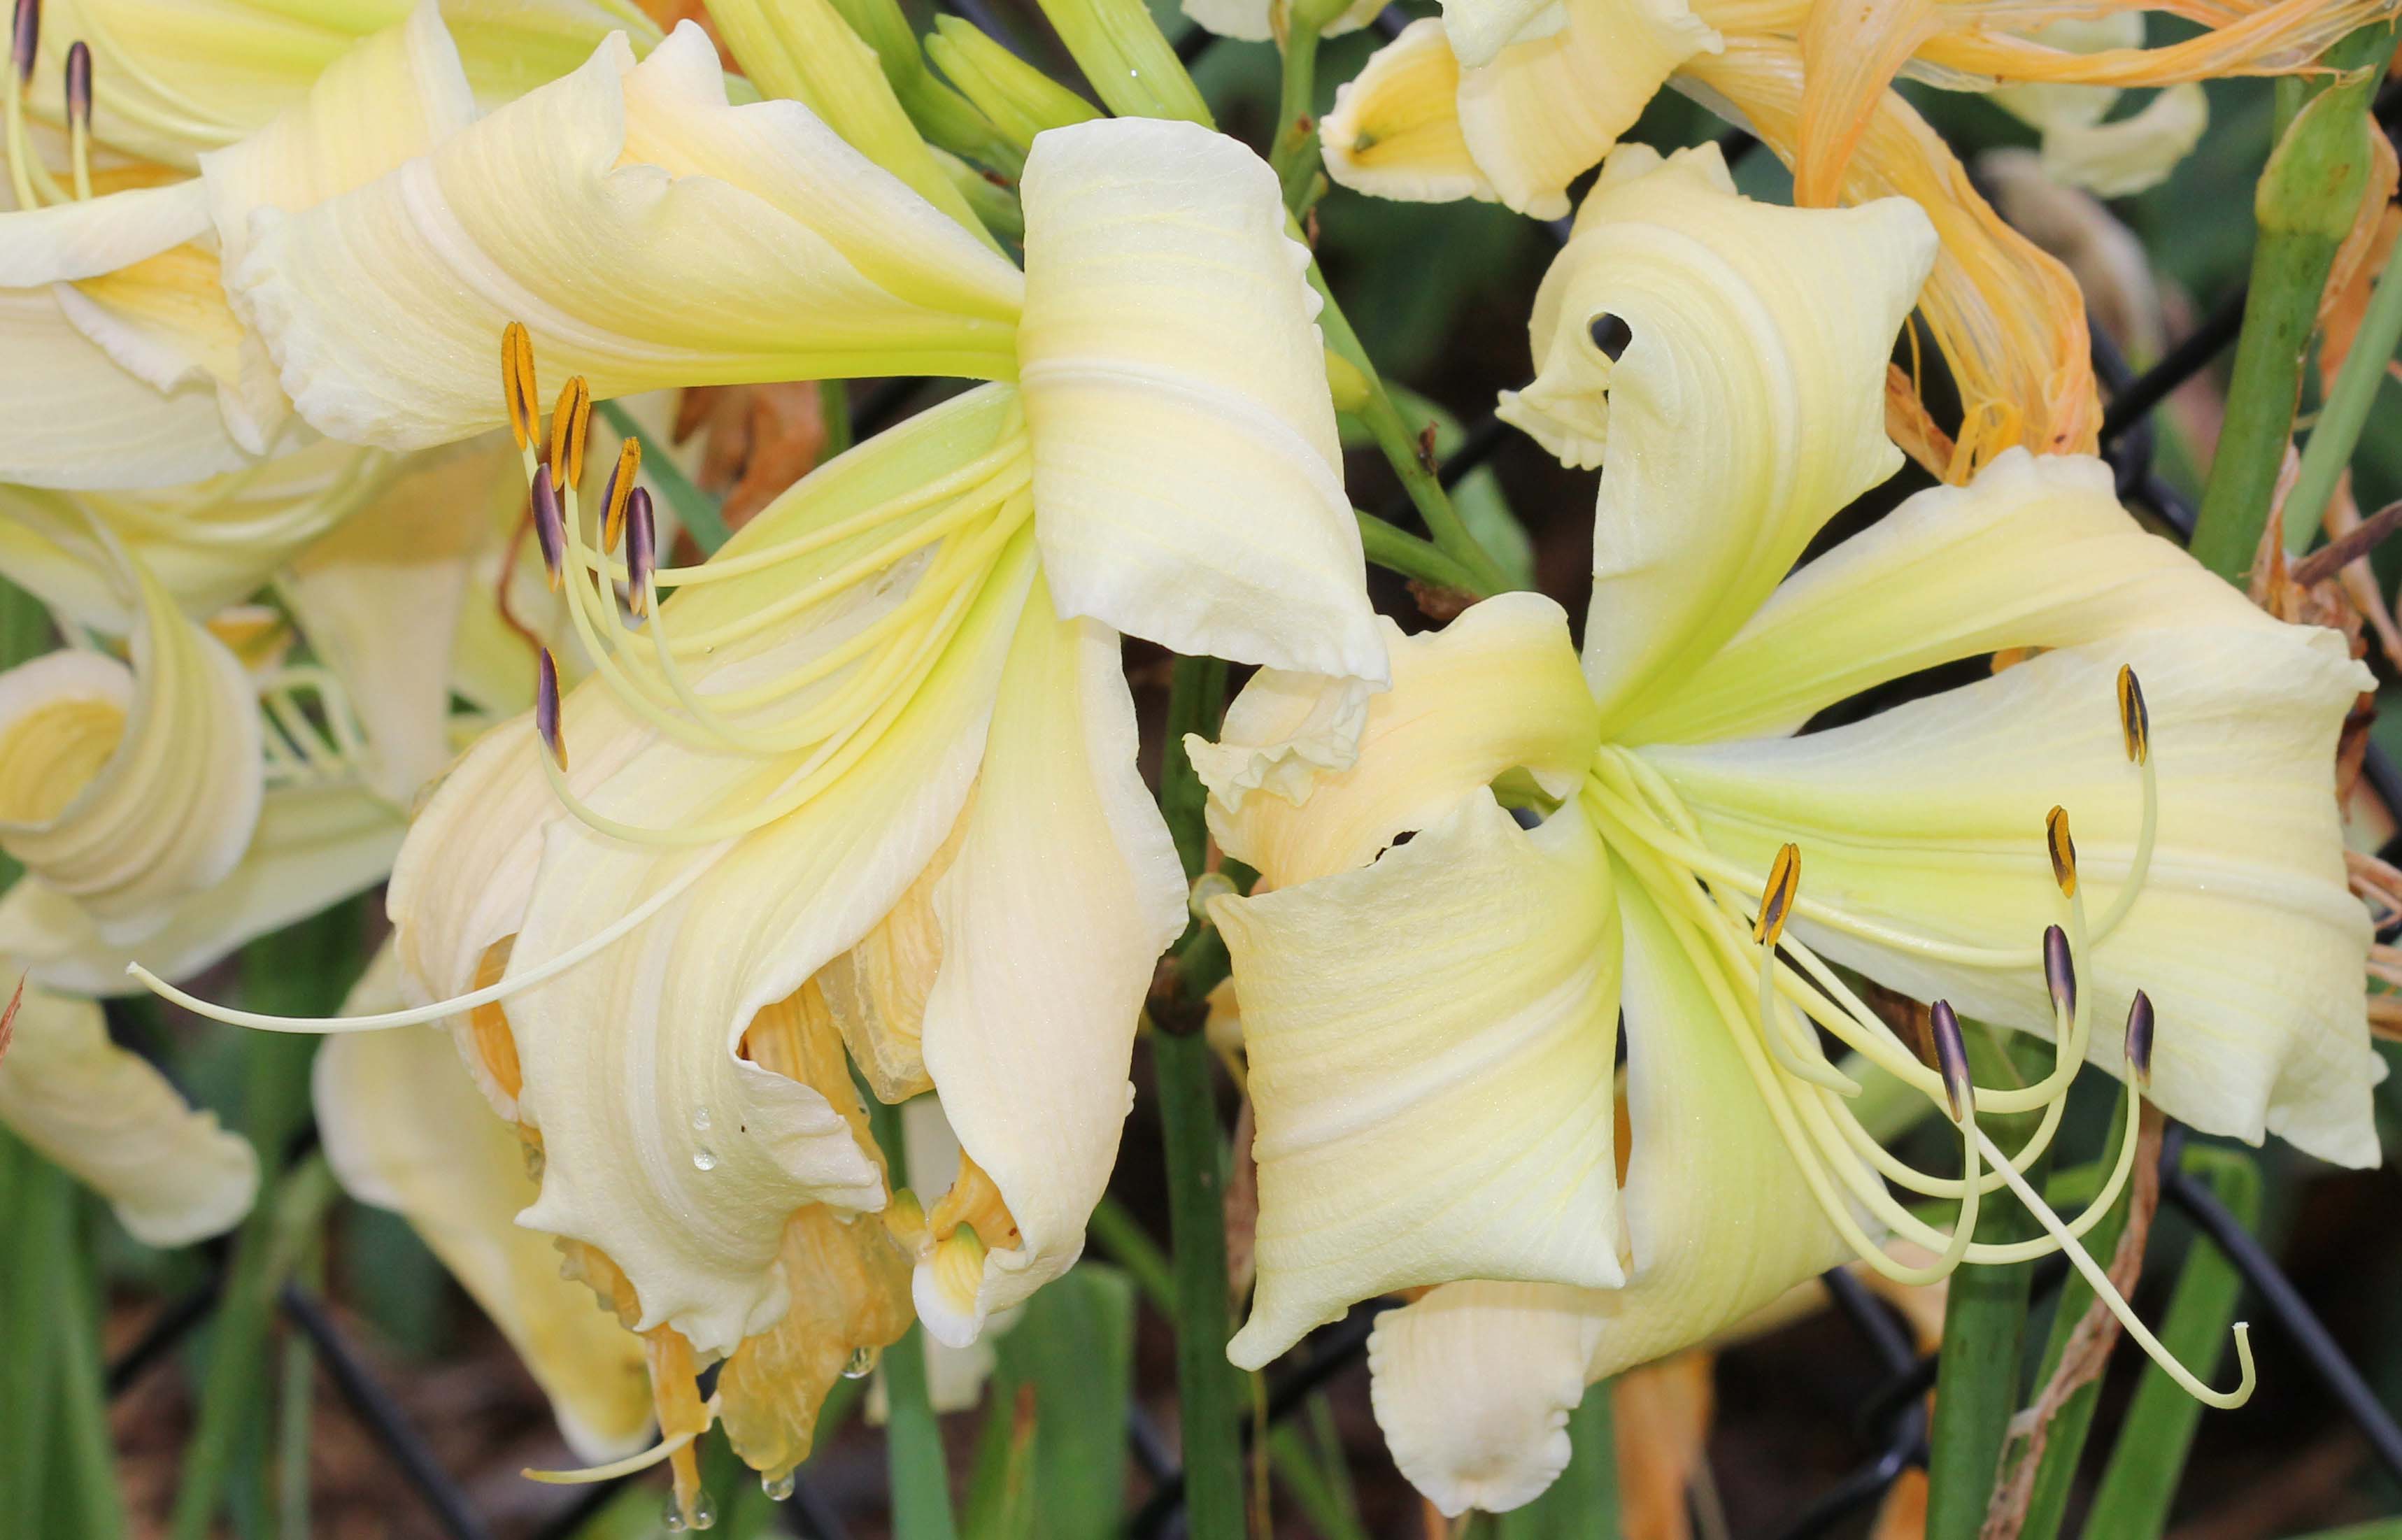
(1430, 1024)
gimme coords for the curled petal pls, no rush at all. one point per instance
(81, 419)
(1248, 19)
(128, 789)
(1187, 480)
(405, 1130)
(646, 232)
(314, 846)
(1388, 1013)
(170, 1174)
(1496, 690)
(1395, 129)
(1065, 890)
(1742, 407)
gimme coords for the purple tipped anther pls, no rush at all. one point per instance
(1951, 1058)
(25, 39)
(545, 707)
(550, 526)
(2139, 1040)
(79, 85)
(2060, 972)
(641, 549)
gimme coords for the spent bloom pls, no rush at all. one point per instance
(2139, 819)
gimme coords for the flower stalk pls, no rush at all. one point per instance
(922, 1489)
(2305, 204)
(2345, 411)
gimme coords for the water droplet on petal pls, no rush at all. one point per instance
(779, 1489)
(701, 1120)
(862, 1364)
(705, 1159)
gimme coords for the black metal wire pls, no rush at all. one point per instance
(160, 1337)
(383, 1418)
(2293, 1314)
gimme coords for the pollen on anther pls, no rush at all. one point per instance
(2063, 850)
(545, 707)
(518, 384)
(1776, 898)
(620, 487)
(1951, 1058)
(571, 427)
(2135, 717)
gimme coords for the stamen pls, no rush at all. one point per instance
(2139, 1042)
(79, 116)
(2104, 1290)
(549, 525)
(1777, 900)
(2135, 717)
(641, 551)
(570, 429)
(1951, 1058)
(2063, 850)
(614, 495)
(517, 385)
(905, 1215)
(545, 707)
(658, 1453)
(2060, 975)
(541, 972)
(24, 41)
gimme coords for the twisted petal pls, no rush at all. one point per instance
(1474, 1382)
(1745, 406)
(1431, 1042)
(1395, 129)
(1930, 816)
(405, 1130)
(1247, 20)
(316, 846)
(645, 231)
(1187, 482)
(2129, 155)
(2006, 316)
(128, 789)
(1064, 893)
(1498, 690)
(87, 238)
(171, 1175)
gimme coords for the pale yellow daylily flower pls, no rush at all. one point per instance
(169, 1174)
(867, 779)
(1430, 1024)
(406, 1130)
(136, 275)
(1503, 99)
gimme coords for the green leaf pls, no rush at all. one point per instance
(696, 511)
(1582, 1504)
(1055, 1432)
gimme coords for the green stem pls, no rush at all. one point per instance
(2305, 205)
(1985, 1327)
(36, 1195)
(1294, 157)
(2064, 1439)
(1195, 700)
(1398, 551)
(1297, 1471)
(2149, 1461)
(1400, 449)
(89, 1452)
(303, 971)
(912, 1439)
(694, 510)
(833, 413)
(1206, 1387)
(2345, 411)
